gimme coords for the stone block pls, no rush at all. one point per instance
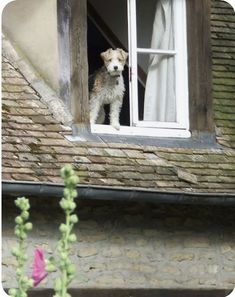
(87, 252)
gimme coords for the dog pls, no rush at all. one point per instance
(107, 87)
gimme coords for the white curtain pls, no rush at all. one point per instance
(159, 102)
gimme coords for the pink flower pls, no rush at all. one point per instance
(39, 267)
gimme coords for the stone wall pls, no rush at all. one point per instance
(135, 245)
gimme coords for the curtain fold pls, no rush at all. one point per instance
(159, 101)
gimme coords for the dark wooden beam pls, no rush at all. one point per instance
(200, 65)
(72, 36)
(79, 97)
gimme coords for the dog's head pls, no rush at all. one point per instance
(114, 60)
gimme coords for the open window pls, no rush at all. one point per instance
(154, 34)
(168, 76)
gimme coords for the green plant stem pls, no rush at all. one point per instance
(66, 247)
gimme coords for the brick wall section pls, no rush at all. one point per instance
(223, 46)
(132, 245)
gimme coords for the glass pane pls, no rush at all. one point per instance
(155, 24)
(156, 88)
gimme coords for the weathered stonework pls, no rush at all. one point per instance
(134, 245)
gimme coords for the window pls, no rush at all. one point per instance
(158, 84)
(130, 24)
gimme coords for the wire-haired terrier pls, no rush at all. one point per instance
(107, 87)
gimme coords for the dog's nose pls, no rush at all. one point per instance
(115, 67)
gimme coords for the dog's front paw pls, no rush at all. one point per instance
(116, 126)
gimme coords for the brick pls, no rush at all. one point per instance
(115, 153)
(7, 147)
(21, 96)
(186, 176)
(17, 170)
(28, 157)
(17, 89)
(87, 252)
(24, 177)
(112, 252)
(39, 119)
(11, 73)
(134, 154)
(179, 257)
(197, 243)
(96, 152)
(55, 142)
(15, 81)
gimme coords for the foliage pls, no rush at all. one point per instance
(21, 229)
(41, 266)
(66, 268)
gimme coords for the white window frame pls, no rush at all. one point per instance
(180, 128)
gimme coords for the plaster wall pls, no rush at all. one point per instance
(31, 25)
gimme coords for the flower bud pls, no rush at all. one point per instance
(63, 228)
(64, 203)
(24, 279)
(15, 252)
(63, 256)
(19, 220)
(12, 292)
(71, 269)
(66, 192)
(25, 215)
(23, 294)
(30, 283)
(50, 267)
(71, 205)
(24, 257)
(17, 232)
(72, 238)
(66, 171)
(28, 226)
(23, 235)
(72, 181)
(74, 193)
(74, 218)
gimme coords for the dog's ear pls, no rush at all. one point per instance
(105, 55)
(124, 54)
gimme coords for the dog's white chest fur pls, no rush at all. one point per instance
(113, 88)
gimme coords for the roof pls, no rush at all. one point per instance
(35, 146)
(223, 50)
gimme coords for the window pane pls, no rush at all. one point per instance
(155, 24)
(156, 88)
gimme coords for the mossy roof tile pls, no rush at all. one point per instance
(223, 53)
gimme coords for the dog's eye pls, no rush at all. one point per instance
(120, 60)
(110, 60)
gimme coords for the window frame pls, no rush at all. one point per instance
(181, 70)
(72, 19)
(180, 128)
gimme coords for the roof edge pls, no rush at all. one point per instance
(48, 96)
(93, 192)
